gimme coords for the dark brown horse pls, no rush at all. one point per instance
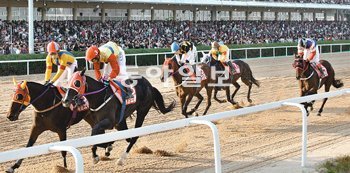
(107, 111)
(309, 81)
(185, 89)
(245, 74)
(49, 113)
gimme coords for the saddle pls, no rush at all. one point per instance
(125, 93)
(236, 68)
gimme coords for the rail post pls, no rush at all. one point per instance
(27, 67)
(304, 130)
(215, 133)
(79, 162)
(157, 59)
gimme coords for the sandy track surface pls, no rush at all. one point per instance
(247, 143)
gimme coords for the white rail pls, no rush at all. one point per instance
(162, 54)
(113, 136)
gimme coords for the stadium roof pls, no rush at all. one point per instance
(179, 4)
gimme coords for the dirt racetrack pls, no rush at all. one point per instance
(247, 143)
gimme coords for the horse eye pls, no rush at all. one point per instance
(77, 84)
(19, 97)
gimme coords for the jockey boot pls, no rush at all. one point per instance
(128, 91)
(323, 70)
(232, 69)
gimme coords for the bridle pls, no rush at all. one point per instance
(26, 100)
(303, 66)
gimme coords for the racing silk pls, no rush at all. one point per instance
(188, 53)
(309, 45)
(222, 54)
(309, 51)
(64, 59)
(109, 53)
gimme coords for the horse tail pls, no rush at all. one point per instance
(254, 81)
(159, 102)
(251, 77)
(337, 83)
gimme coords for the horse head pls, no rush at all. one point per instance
(20, 100)
(77, 86)
(300, 66)
(170, 66)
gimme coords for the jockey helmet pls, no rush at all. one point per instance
(185, 47)
(174, 47)
(52, 47)
(91, 53)
(302, 42)
(215, 45)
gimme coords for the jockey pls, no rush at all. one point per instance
(308, 48)
(221, 53)
(114, 58)
(187, 50)
(63, 59)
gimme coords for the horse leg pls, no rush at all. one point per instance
(99, 128)
(326, 88)
(200, 99)
(249, 84)
(141, 114)
(209, 92)
(123, 126)
(63, 136)
(187, 102)
(182, 104)
(215, 96)
(234, 93)
(34, 134)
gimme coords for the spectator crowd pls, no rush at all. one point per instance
(78, 35)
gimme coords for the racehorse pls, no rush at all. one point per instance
(186, 89)
(106, 110)
(245, 74)
(309, 81)
(49, 113)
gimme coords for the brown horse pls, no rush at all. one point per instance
(183, 85)
(245, 74)
(309, 81)
(49, 113)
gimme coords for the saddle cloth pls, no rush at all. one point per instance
(314, 66)
(236, 68)
(120, 91)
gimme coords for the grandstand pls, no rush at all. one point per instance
(276, 14)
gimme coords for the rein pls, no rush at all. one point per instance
(22, 108)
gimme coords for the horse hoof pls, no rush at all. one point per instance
(108, 150)
(120, 162)
(250, 100)
(319, 114)
(10, 170)
(96, 160)
(195, 114)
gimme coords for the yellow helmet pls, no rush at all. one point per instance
(215, 45)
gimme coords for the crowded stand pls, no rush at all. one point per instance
(78, 35)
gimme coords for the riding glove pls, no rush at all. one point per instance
(48, 83)
(105, 82)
